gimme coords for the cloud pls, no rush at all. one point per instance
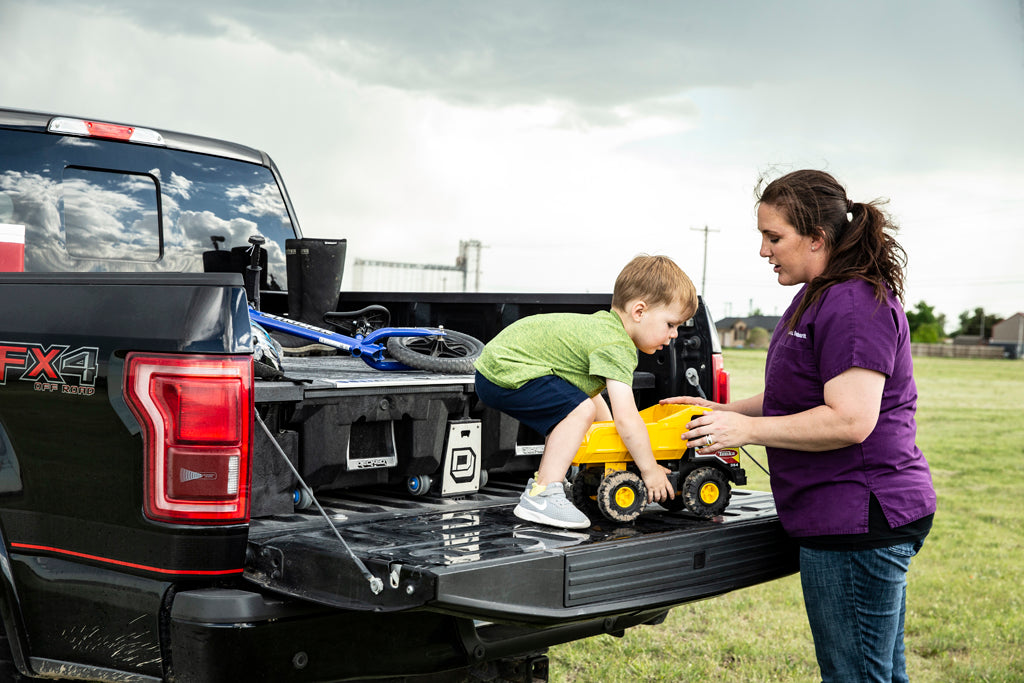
(262, 201)
(919, 75)
(569, 135)
(605, 52)
(177, 186)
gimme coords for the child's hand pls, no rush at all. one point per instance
(658, 486)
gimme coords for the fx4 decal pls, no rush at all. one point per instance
(57, 368)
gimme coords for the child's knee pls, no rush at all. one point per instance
(587, 411)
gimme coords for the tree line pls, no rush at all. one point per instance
(925, 326)
(928, 328)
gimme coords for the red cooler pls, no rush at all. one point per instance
(12, 248)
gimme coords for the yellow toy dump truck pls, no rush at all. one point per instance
(609, 481)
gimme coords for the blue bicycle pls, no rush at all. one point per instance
(433, 349)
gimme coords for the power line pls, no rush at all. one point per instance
(965, 283)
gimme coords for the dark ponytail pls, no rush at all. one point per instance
(858, 236)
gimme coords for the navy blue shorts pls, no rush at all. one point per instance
(539, 404)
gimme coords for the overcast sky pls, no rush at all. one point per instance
(569, 136)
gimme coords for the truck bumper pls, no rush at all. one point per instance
(226, 634)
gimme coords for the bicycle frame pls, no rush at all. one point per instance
(370, 347)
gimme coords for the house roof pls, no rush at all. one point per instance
(1008, 330)
(768, 322)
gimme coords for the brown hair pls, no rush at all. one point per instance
(657, 280)
(861, 246)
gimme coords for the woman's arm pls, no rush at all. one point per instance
(853, 400)
(748, 406)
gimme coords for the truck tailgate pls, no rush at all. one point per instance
(474, 558)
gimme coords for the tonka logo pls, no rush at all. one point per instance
(55, 368)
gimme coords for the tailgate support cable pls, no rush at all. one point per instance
(376, 584)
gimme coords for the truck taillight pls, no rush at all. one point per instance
(720, 380)
(197, 424)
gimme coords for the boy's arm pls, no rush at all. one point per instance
(633, 431)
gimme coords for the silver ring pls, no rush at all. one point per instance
(708, 440)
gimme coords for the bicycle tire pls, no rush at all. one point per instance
(452, 353)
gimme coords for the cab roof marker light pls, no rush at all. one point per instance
(111, 131)
(147, 137)
(68, 126)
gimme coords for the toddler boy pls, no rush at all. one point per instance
(548, 372)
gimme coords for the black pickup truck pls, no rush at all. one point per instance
(152, 522)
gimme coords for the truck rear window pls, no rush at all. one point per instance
(98, 205)
(111, 216)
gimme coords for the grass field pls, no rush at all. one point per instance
(965, 606)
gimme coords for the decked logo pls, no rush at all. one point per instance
(56, 368)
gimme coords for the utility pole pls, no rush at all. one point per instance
(704, 274)
(1020, 337)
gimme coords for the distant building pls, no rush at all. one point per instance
(1009, 334)
(968, 340)
(734, 331)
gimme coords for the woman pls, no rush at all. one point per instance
(837, 420)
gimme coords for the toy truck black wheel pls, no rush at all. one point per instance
(705, 492)
(583, 493)
(621, 496)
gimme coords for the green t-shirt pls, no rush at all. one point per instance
(584, 350)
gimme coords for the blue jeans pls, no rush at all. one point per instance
(856, 602)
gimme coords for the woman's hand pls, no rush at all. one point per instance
(692, 401)
(718, 429)
(700, 428)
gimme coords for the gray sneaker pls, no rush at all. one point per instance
(548, 505)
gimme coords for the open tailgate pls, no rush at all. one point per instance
(473, 557)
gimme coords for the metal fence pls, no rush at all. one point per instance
(957, 350)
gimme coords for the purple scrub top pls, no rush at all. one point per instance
(828, 492)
